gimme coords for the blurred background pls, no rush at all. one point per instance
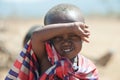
(103, 17)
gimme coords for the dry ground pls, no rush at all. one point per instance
(104, 37)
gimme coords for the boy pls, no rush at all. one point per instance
(57, 47)
(29, 33)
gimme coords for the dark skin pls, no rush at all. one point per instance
(66, 32)
(69, 34)
(63, 13)
(29, 33)
(68, 45)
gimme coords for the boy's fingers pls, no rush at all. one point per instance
(83, 30)
(83, 26)
(85, 36)
(86, 31)
(86, 26)
(85, 39)
(81, 23)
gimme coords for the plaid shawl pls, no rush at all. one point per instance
(26, 67)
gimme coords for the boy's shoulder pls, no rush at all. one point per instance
(85, 62)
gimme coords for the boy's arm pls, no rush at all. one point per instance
(49, 31)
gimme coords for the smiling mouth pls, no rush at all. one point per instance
(67, 50)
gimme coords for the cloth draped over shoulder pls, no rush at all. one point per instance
(26, 67)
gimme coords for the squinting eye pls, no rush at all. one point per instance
(57, 39)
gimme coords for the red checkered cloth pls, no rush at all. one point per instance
(26, 67)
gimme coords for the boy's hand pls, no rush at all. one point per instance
(82, 31)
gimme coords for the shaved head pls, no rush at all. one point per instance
(63, 13)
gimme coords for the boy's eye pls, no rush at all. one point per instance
(57, 39)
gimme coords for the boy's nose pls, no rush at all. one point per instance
(67, 42)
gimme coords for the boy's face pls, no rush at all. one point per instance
(67, 45)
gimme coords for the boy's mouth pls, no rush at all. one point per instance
(67, 50)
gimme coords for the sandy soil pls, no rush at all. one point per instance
(104, 37)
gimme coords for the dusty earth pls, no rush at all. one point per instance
(105, 37)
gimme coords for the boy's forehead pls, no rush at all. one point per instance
(63, 14)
